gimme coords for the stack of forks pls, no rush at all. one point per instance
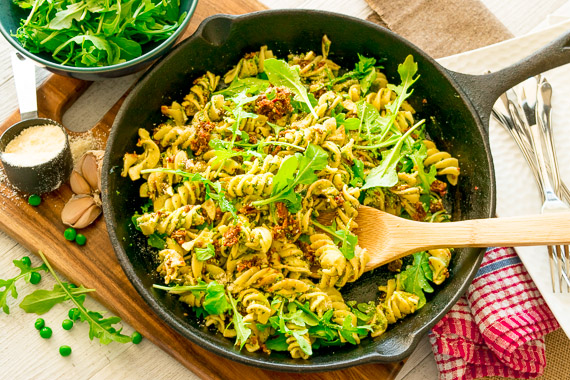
(526, 115)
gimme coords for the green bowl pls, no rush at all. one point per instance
(11, 14)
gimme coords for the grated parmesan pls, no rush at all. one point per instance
(82, 143)
(35, 145)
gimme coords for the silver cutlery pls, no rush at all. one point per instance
(526, 116)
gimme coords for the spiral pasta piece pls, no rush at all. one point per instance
(249, 184)
(439, 260)
(443, 162)
(250, 65)
(135, 163)
(200, 93)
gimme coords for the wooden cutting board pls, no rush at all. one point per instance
(95, 265)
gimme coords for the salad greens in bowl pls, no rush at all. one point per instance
(94, 39)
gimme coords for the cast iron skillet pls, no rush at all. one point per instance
(461, 105)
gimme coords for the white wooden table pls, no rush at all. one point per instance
(24, 355)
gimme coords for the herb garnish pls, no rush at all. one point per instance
(281, 74)
(295, 170)
(385, 174)
(9, 285)
(203, 254)
(99, 327)
(415, 278)
(41, 301)
(215, 301)
(348, 240)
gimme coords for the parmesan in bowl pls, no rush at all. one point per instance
(36, 155)
(35, 145)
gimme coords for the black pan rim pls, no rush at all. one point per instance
(236, 355)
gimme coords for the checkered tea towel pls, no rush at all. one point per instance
(497, 328)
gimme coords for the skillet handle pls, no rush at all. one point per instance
(484, 90)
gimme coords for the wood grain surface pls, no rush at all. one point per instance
(95, 265)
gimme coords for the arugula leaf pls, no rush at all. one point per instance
(243, 332)
(277, 343)
(358, 171)
(281, 74)
(223, 152)
(346, 329)
(302, 106)
(41, 301)
(418, 155)
(350, 124)
(407, 70)
(285, 181)
(215, 301)
(297, 317)
(385, 174)
(99, 327)
(415, 278)
(367, 71)
(250, 85)
(349, 241)
(364, 71)
(304, 344)
(363, 311)
(10, 284)
(203, 254)
(156, 241)
(328, 331)
(64, 18)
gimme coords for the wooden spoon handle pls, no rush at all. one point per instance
(404, 237)
(505, 232)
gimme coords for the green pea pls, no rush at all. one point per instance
(80, 239)
(70, 234)
(34, 200)
(45, 332)
(67, 324)
(39, 324)
(35, 278)
(136, 337)
(26, 261)
(73, 314)
(65, 350)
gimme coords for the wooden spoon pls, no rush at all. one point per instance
(388, 237)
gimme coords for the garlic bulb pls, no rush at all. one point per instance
(80, 211)
(84, 207)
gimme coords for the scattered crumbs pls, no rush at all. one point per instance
(8, 192)
(82, 143)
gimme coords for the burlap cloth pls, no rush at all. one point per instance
(446, 27)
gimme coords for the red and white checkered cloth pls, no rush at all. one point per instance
(497, 328)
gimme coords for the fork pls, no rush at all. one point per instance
(534, 101)
(561, 254)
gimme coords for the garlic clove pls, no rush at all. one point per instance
(75, 208)
(78, 184)
(90, 170)
(88, 217)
